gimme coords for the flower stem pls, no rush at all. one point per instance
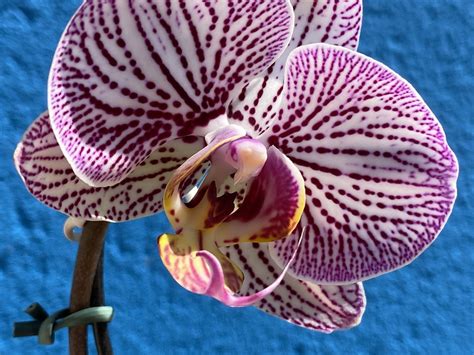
(101, 334)
(88, 256)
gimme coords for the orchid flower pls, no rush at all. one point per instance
(290, 166)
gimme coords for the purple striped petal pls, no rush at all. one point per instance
(130, 75)
(49, 177)
(335, 22)
(380, 177)
(322, 308)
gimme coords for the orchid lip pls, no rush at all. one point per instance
(205, 220)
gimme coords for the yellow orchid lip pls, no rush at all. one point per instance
(270, 210)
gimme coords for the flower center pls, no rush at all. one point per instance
(248, 156)
(244, 157)
(249, 194)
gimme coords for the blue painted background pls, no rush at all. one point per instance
(426, 307)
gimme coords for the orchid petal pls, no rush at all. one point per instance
(323, 308)
(380, 177)
(331, 21)
(272, 205)
(130, 75)
(49, 177)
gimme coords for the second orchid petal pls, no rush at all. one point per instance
(380, 177)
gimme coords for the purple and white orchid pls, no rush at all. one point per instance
(302, 155)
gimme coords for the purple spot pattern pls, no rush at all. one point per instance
(49, 177)
(380, 177)
(335, 22)
(130, 75)
(229, 187)
(323, 308)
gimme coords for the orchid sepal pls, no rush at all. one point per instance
(123, 82)
(48, 176)
(331, 21)
(323, 308)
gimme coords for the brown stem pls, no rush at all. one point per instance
(88, 255)
(101, 334)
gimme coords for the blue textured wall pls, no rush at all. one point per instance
(426, 307)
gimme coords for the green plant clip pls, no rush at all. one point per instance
(44, 326)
